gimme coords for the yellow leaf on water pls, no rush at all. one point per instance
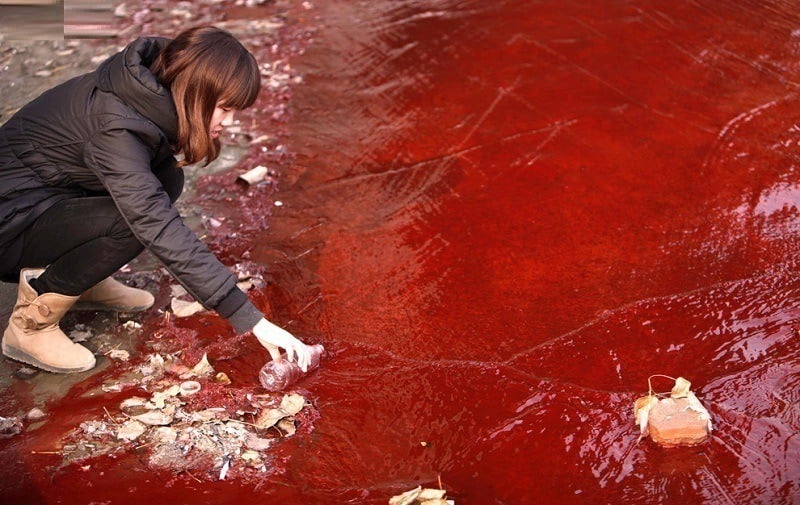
(681, 388)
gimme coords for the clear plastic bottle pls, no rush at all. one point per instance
(278, 375)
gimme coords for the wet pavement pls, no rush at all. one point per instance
(500, 219)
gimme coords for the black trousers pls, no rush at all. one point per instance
(83, 240)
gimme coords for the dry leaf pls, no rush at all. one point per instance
(157, 417)
(203, 367)
(641, 412)
(292, 403)
(287, 426)
(694, 404)
(267, 418)
(681, 388)
(431, 494)
(159, 398)
(406, 498)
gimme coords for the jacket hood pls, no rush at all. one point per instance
(127, 75)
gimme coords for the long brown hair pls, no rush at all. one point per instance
(202, 66)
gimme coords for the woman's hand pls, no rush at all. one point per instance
(273, 337)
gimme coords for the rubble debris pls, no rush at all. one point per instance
(422, 496)
(677, 420)
(180, 432)
(10, 426)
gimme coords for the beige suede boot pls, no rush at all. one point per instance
(33, 335)
(110, 294)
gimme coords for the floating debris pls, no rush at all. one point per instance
(422, 496)
(677, 420)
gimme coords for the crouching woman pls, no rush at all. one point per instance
(88, 179)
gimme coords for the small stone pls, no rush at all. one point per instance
(35, 414)
(672, 423)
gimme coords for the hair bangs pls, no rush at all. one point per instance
(243, 84)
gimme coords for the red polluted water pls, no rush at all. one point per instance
(500, 218)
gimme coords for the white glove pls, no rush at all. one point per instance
(273, 337)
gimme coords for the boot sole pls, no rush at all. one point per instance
(86, 306)
(23, 357)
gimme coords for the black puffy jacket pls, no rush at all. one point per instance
(111, 132)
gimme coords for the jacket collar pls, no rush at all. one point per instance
(127, 75)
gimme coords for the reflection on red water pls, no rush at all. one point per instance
(501, 219)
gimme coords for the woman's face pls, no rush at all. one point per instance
(223, 116)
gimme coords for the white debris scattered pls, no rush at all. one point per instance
(254, 176)
(119, 354)
(183, 308)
